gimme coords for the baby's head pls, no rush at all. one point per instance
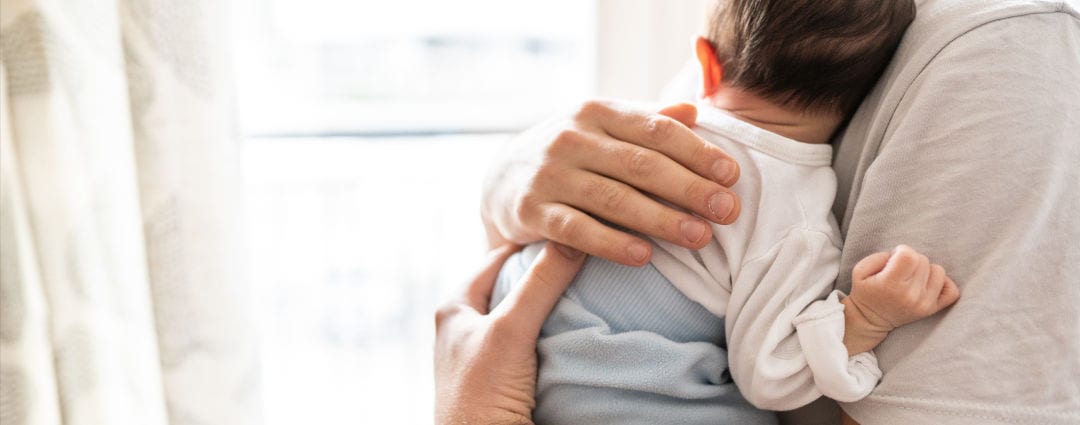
(819, 56)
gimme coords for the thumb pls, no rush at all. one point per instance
(684, 113)
(478, 292)
(529, 304)
(869, 266)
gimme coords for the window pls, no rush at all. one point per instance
(368, 126)
(410, 66)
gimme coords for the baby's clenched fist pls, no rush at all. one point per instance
(892, 289)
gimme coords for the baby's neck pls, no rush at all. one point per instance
(789, 122)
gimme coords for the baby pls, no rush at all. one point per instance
(752, 317)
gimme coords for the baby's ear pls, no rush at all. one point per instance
(712, 72)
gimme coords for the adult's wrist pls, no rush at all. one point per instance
(465, 415)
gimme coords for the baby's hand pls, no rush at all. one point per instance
(892, 289)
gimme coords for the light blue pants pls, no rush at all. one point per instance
(623, 346)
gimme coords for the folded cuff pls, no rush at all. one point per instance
(821, 335)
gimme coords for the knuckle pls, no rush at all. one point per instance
(525, 206)
(912, 299)
(659, 128)
(905, 260)
(546, 174)
(608, 196)
(696, 191)
(641, 163)
(906, 254)
(706, 153)
(443, 314)
(670, 225)
(560, 225)
(564, 141)
(590, 108)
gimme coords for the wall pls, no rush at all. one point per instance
(642, 44)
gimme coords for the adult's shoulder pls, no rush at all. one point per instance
(960, 58)
(941, 23)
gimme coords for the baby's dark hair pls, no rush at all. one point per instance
(822, 55)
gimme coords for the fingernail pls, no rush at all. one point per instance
(568, 252)
(720, 205)
(693, 230)
(724, 171)
(638, 252)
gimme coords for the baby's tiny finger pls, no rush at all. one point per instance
(950, 293)
(936, 281)
(902, 265)
(869, 266)
(922, 270)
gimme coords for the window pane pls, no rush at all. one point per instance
(353, 243)
(409, 66)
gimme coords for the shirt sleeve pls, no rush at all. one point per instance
(777, 296)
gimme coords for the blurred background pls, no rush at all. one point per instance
(368, 128)
(269, 198)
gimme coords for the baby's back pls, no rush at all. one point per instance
(624, 346)
(647, 344)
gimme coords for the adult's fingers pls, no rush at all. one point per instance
(685, 113)
(664, 135)
(655, 173)
(527, 306)
(623, 205)
(569, 226)
(478, 292)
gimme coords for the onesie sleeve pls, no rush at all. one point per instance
(778, 296)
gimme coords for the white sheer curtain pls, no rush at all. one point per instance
(122, 295)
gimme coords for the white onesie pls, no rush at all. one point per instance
(772, 271)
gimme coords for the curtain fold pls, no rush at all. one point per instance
(27, 379)
(123, 295)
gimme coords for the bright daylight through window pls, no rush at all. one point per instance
(368, 125)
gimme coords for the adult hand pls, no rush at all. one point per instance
(485, 363)
(604, 162)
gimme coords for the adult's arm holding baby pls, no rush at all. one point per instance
(485, 362)
(556, 179)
